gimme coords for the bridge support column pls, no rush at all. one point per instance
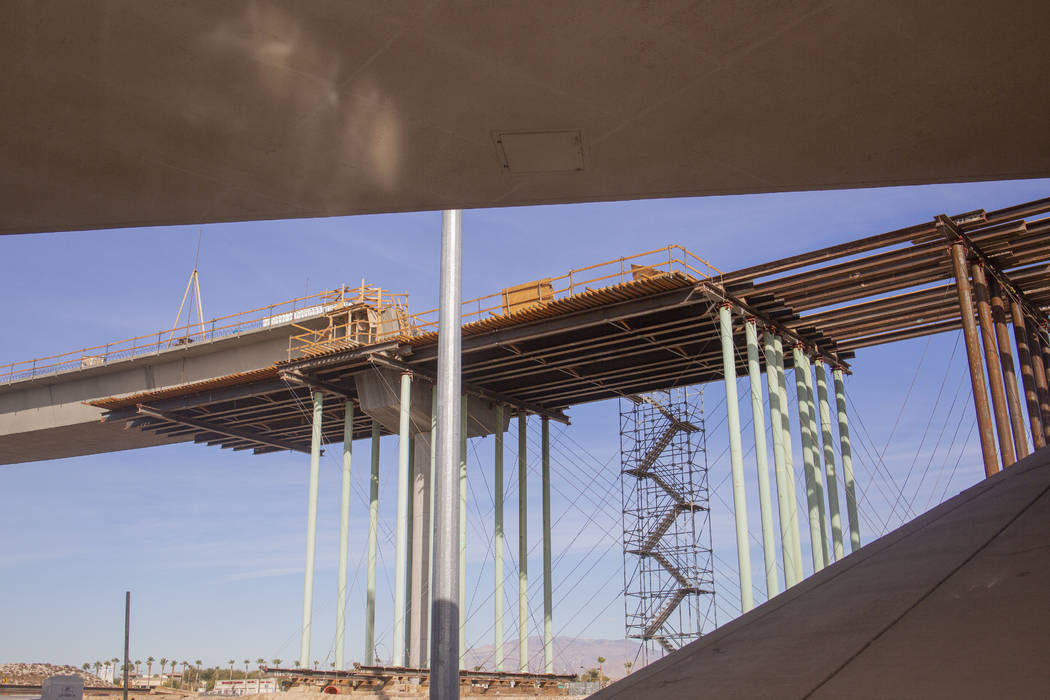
(846, 451)
(523, 547)
(446, 613)
(1006, 361)
(754, 372)
(311, 529)
(973, 357)
(743, 549)
(344, 535)
(373, 534)
(785, 506)
(401, 554)
(991, 360)
(813, 487)
(789, 462)
(829, 459)
(1039, 368)
(818, 476)
(430, 519)
(420, 497)
(497, 544)
(1024, 358)
(548, 601)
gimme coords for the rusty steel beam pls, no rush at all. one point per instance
(1024, 358)
(973, 355)
(991, 359)
(1006, 360)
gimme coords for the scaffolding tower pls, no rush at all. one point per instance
(668, 562)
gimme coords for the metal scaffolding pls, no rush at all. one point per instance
(668, 563)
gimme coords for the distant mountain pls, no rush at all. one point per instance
(570, 655)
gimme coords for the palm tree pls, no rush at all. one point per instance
(149, 666)
(173, 663)
(163, 664)
(276, 663)
(627, 665)
(601, 660)
(261, 662)
(246, 662)
(316, 664)
(197, 663)
(297, 664)
(86, 666)
(231, 662)
(98, 667)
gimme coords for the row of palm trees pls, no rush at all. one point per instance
(173, 663)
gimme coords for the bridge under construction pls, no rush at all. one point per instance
(630, 328)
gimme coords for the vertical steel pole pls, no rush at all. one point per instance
(1039, 370)
(809, 460)
(736, 455)
(769, 542)
(497, 545)
(311, 529)
(444, 638)
(973, 357)
(464, 414)
(127, 641)
(846, 450)
(784, 505)
(523, 549)
(548, 600)
(373, 535)
(829, 459)
(430, 524)
(344, 536)
(818, 476)
(991, 359)
(1006, 361)
(401, 555)
(1024, 357)
(789, 462)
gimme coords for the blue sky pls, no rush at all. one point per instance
(211, 542)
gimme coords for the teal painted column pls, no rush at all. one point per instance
(497, 544)
(311, 529)
(808, 458)
(463, 423)
(789, 461)
(829, 459)
(818, 476)
(785, 507)
(401, 553)
(736, 456)
(846, 451)
(769, 542)
(373, 534)
(523, 549)
(344, 536)
(548, 601)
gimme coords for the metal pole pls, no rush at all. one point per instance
(463, 527)
(973, 357)
(808, 460)
(430, 523)
(498, 539)
(991, 359)
(769, 543)
(548, 600)
(344, 536)
(1024, 357)
(829, 459)
(736, 453)
(523, 549)
(818, 477)
(789, 462)
(127, 639)
(784, 505)
(1039, 370)
(311, 529)
(846, 450)
(373, 534)
(444, 637)
(1006, 361)
(410, 560)
(401, 554)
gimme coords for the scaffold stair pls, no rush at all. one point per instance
(664, 524)
(665, 612)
